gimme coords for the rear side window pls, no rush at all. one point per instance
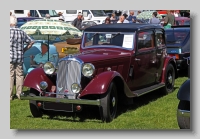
(71, 11)
(145, 40)
(176, 36)
(19, 11)
(159, 37)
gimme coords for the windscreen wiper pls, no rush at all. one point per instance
(116, 35)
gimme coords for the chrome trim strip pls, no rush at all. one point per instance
(183, 113)
(71, 58)
(137, 95)
(60, 100)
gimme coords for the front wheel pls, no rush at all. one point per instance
(109, 104)
(36, 112)
(169, 80)
(183, 122)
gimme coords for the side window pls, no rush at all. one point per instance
(34, 13)
(19, 11)
(71, 11)
(145, 40)
(85, 13)
(160, 41)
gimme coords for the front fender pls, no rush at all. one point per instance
(100, 83)
(33, 79)
(184, 91)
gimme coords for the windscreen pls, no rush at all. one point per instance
(52, 13)
(97, 13)
(100, 39)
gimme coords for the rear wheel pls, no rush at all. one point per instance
(36, 112)
(109, 104)
(169, 80)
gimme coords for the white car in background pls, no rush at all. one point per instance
(98, 16)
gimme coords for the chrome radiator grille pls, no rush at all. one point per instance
(69, 72)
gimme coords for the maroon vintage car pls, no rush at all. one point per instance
(116, 63)
(179, 21)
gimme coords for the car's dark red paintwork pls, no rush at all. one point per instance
(118, 72)
(102, 78)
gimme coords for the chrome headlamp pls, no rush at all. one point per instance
(49, 68)
(75, 88)
(88, 69)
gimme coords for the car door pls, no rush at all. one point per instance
(144, 60)
(160, 52)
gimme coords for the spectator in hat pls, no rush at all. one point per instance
(78, 21)
(61, 19)
(60, 14)
(47, 16)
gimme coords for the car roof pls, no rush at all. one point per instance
(127, 27)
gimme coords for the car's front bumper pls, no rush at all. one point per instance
(183, 113)
(24, 96)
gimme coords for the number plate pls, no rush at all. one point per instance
(58, 106)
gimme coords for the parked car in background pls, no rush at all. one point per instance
(97, 16)
(34, 50)
(22, 20)
(179, 21)
(182, 21)
(183, 109)
(35, 13)
(178, 44)
(85, 23)
(116, 63)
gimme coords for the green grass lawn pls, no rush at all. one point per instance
(150, 111)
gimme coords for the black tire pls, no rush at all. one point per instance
(109, 104)
(35, 111)
(183, 122)
(169, 80)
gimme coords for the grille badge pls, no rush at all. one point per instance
(59, 89)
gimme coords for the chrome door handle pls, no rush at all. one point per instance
(159, 54)
(137, 59)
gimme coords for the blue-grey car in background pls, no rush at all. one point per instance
(36, 48)
(23, 20)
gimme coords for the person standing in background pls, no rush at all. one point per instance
(29, 14)
(169, 19)
(131, 18)
(47, 16)
(154, 19)
(17, 39)
(60, 14)
(78, 21)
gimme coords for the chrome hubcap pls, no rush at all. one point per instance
(113, 101)
(170, 79)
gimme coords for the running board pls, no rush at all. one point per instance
(141, 92)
